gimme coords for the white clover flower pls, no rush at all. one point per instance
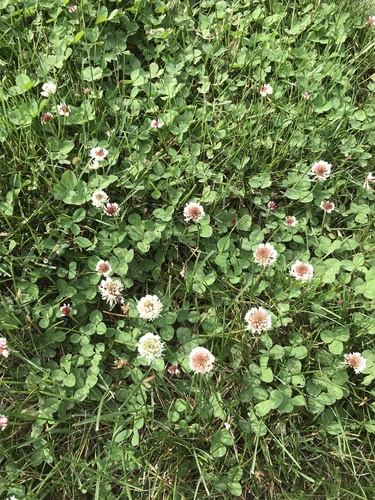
(48, 89)
(150, 347)
(305, 95)
(302, 271)
(266, 90)
(3, 422)
(356, 361)
(371, 21)
(73, 9)
(103, 267)
(173, 370)
(193, 211)
(201, 360)
(111, 290)
(258, 320)
(99, 199)
(98, 153)
(327, 206)
(4, 347)
(156, 124)
(112, 209)
(149, 307)
(265, 255)
(94, 165)
(46, 118)
(321, 170)
(63, 109)
(291, 221)
(272, 205)
(65, 309)
(369, 179)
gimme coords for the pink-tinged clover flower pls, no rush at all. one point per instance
(103, 267)
(65, 309)
(193, 212)
(271, 205)
(258, 320)
(98, 153)
(4, 347)
(265, 255)
(63, 109)
(156, 124)
(112, 209)
(291, 221)
(356, 361)
(3, 422)
(46, 117)
(327, 206)
(201, 360)
(321, 170)
(266, 90)
(302, 271)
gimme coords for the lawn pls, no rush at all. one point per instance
(187, 251)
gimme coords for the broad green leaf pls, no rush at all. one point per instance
(90, 74)
(102, 15)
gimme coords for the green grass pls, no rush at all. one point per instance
(280, 416)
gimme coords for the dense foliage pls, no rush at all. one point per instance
(214, 132)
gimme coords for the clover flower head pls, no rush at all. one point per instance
(103, 267)
(327, 206)
(173, 370)
(371, 21)
(321, 170)
(266, 90)
(291, 221)
(99, 199)
(369, 179)
(302, 271)
(111, 290)
(3, 422)
(258, 320)
(271, 205)
(48, 89)
(193, 212)
(201, 360)
(94, 165)
(356, 361)
(65, 309)
(157, 124)
(98, 153)
(112, 209)
(4, 347)
(265, 255)
(149, 307)
(63, 109)
(151, 347)
(46, 118)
